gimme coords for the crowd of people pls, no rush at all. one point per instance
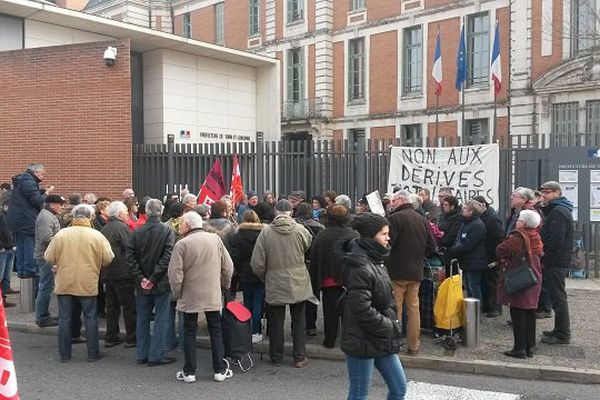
(170, 260)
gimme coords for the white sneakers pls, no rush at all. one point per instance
(221, 376)
(182, 376)
(257, 337)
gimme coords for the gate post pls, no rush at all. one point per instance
(170, 163)
(260, 162)
(360, 161)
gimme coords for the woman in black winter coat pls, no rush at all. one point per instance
(241, 247)
(450, 225)
(469, 247)
(370, 331)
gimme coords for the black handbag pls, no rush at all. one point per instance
(522, 277)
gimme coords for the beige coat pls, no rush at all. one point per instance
(79, 252)
(278, 260)
(200, 266)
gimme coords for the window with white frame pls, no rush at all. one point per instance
(412, 71)
(220, 23)
(295, 75)
(11, 33)
(565, 123)
(592, 117)
(478, 49)
(584, 34)
(295, 10)
(253, 12)
(187, 25)
(477, 132)
(357, 5)
(356, 69)
(411, 135)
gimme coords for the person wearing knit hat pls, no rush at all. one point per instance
(370, 329)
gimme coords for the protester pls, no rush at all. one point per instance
(219, 221)
(295, 198)
(132, 205)
(27, 199)
(469, 247)
(410, 242)
(450, 225)
(118, 278)
(101, 214)
(318, 207)
(78, 252)
(203, 210)
(149, 257)
(327, 269)
(189, 201)
(65, 216)
(242, 245)
(5, 193)
(557, 235)
(443, 193)
(265, 212)
(370, 331)
(430, 210)
(278, 261)
(46, 227)
(362, 205)
(89, 198)
(7, 252)
(269, 198)
(329, 196)
(345, 201)
(199, 269)
(128, 193)
(520, 199)
(523, 242)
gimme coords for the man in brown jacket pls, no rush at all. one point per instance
(411, 241)
(77, 253)
(199, 269)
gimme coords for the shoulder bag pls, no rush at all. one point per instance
(522, 277)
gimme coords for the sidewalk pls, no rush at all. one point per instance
(579, 362)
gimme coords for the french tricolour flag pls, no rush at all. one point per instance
(496, 66)
(436, 71)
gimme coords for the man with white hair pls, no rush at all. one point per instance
(189, 202)
(520, 199)
(278, 261)
(344, 200)
(117, 277)
(149, 257)
(410, 241)
(77, 253)
(128, 193)
(200, 268)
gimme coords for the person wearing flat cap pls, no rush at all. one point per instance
(46, 226)
(557, 236)
(370, 329)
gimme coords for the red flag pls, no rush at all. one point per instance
(213, 187)
(237, 190)
(8, 375)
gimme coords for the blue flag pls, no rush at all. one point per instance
(461, 62)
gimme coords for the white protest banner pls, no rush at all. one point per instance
(469, 170)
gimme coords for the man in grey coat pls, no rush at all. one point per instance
(278, 260)
(46, 226)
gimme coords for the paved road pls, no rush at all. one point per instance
(42, 377)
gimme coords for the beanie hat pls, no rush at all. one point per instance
(338, 214)
(55, 199)
(283, 205)
(369, 224)
(250, 194)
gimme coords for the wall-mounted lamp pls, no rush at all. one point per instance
(110, 55)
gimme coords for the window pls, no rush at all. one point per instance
(11, 33)
(413, 58)
(592, 117)
(565, 121)
(295, 10)
(356, 69)
(410, 135)
(583, 21)
(477, 132)
(357, 5)
(220, 23)
(253, 12)
(295, 75)
(187, 25)
(478, 49)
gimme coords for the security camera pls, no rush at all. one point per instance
(110, 55)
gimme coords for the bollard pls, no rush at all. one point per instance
(27, 296)
(471, 317)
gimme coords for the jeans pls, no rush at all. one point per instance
(174, 338)
(544, 302)
(151, 347)
(26, 267)
(190, 328)
(275, 323)
(360, 372)
(120, 295)
(65, 313)
(523, 323)
(554, 278)
(7, 258)
(407, 292)
(331, 317)
(254, 298)
(45, 289)
(472, 281)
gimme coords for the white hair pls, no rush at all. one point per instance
(193, 219)
(36, 167)
(524, 193)
(115, 209)
(530, 218)
(189, 197)
(416, 201)
(154, 208)
(83, 211)
(401, 194)
(344, 200)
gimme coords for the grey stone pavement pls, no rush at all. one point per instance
(579, 362)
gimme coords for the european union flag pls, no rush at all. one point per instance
(461, 62)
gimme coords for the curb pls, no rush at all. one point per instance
(475, 367)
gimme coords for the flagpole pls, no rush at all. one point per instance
(495, 136)
(462, 114)
(437, 118)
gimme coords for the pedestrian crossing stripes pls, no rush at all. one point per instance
(428, 391)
